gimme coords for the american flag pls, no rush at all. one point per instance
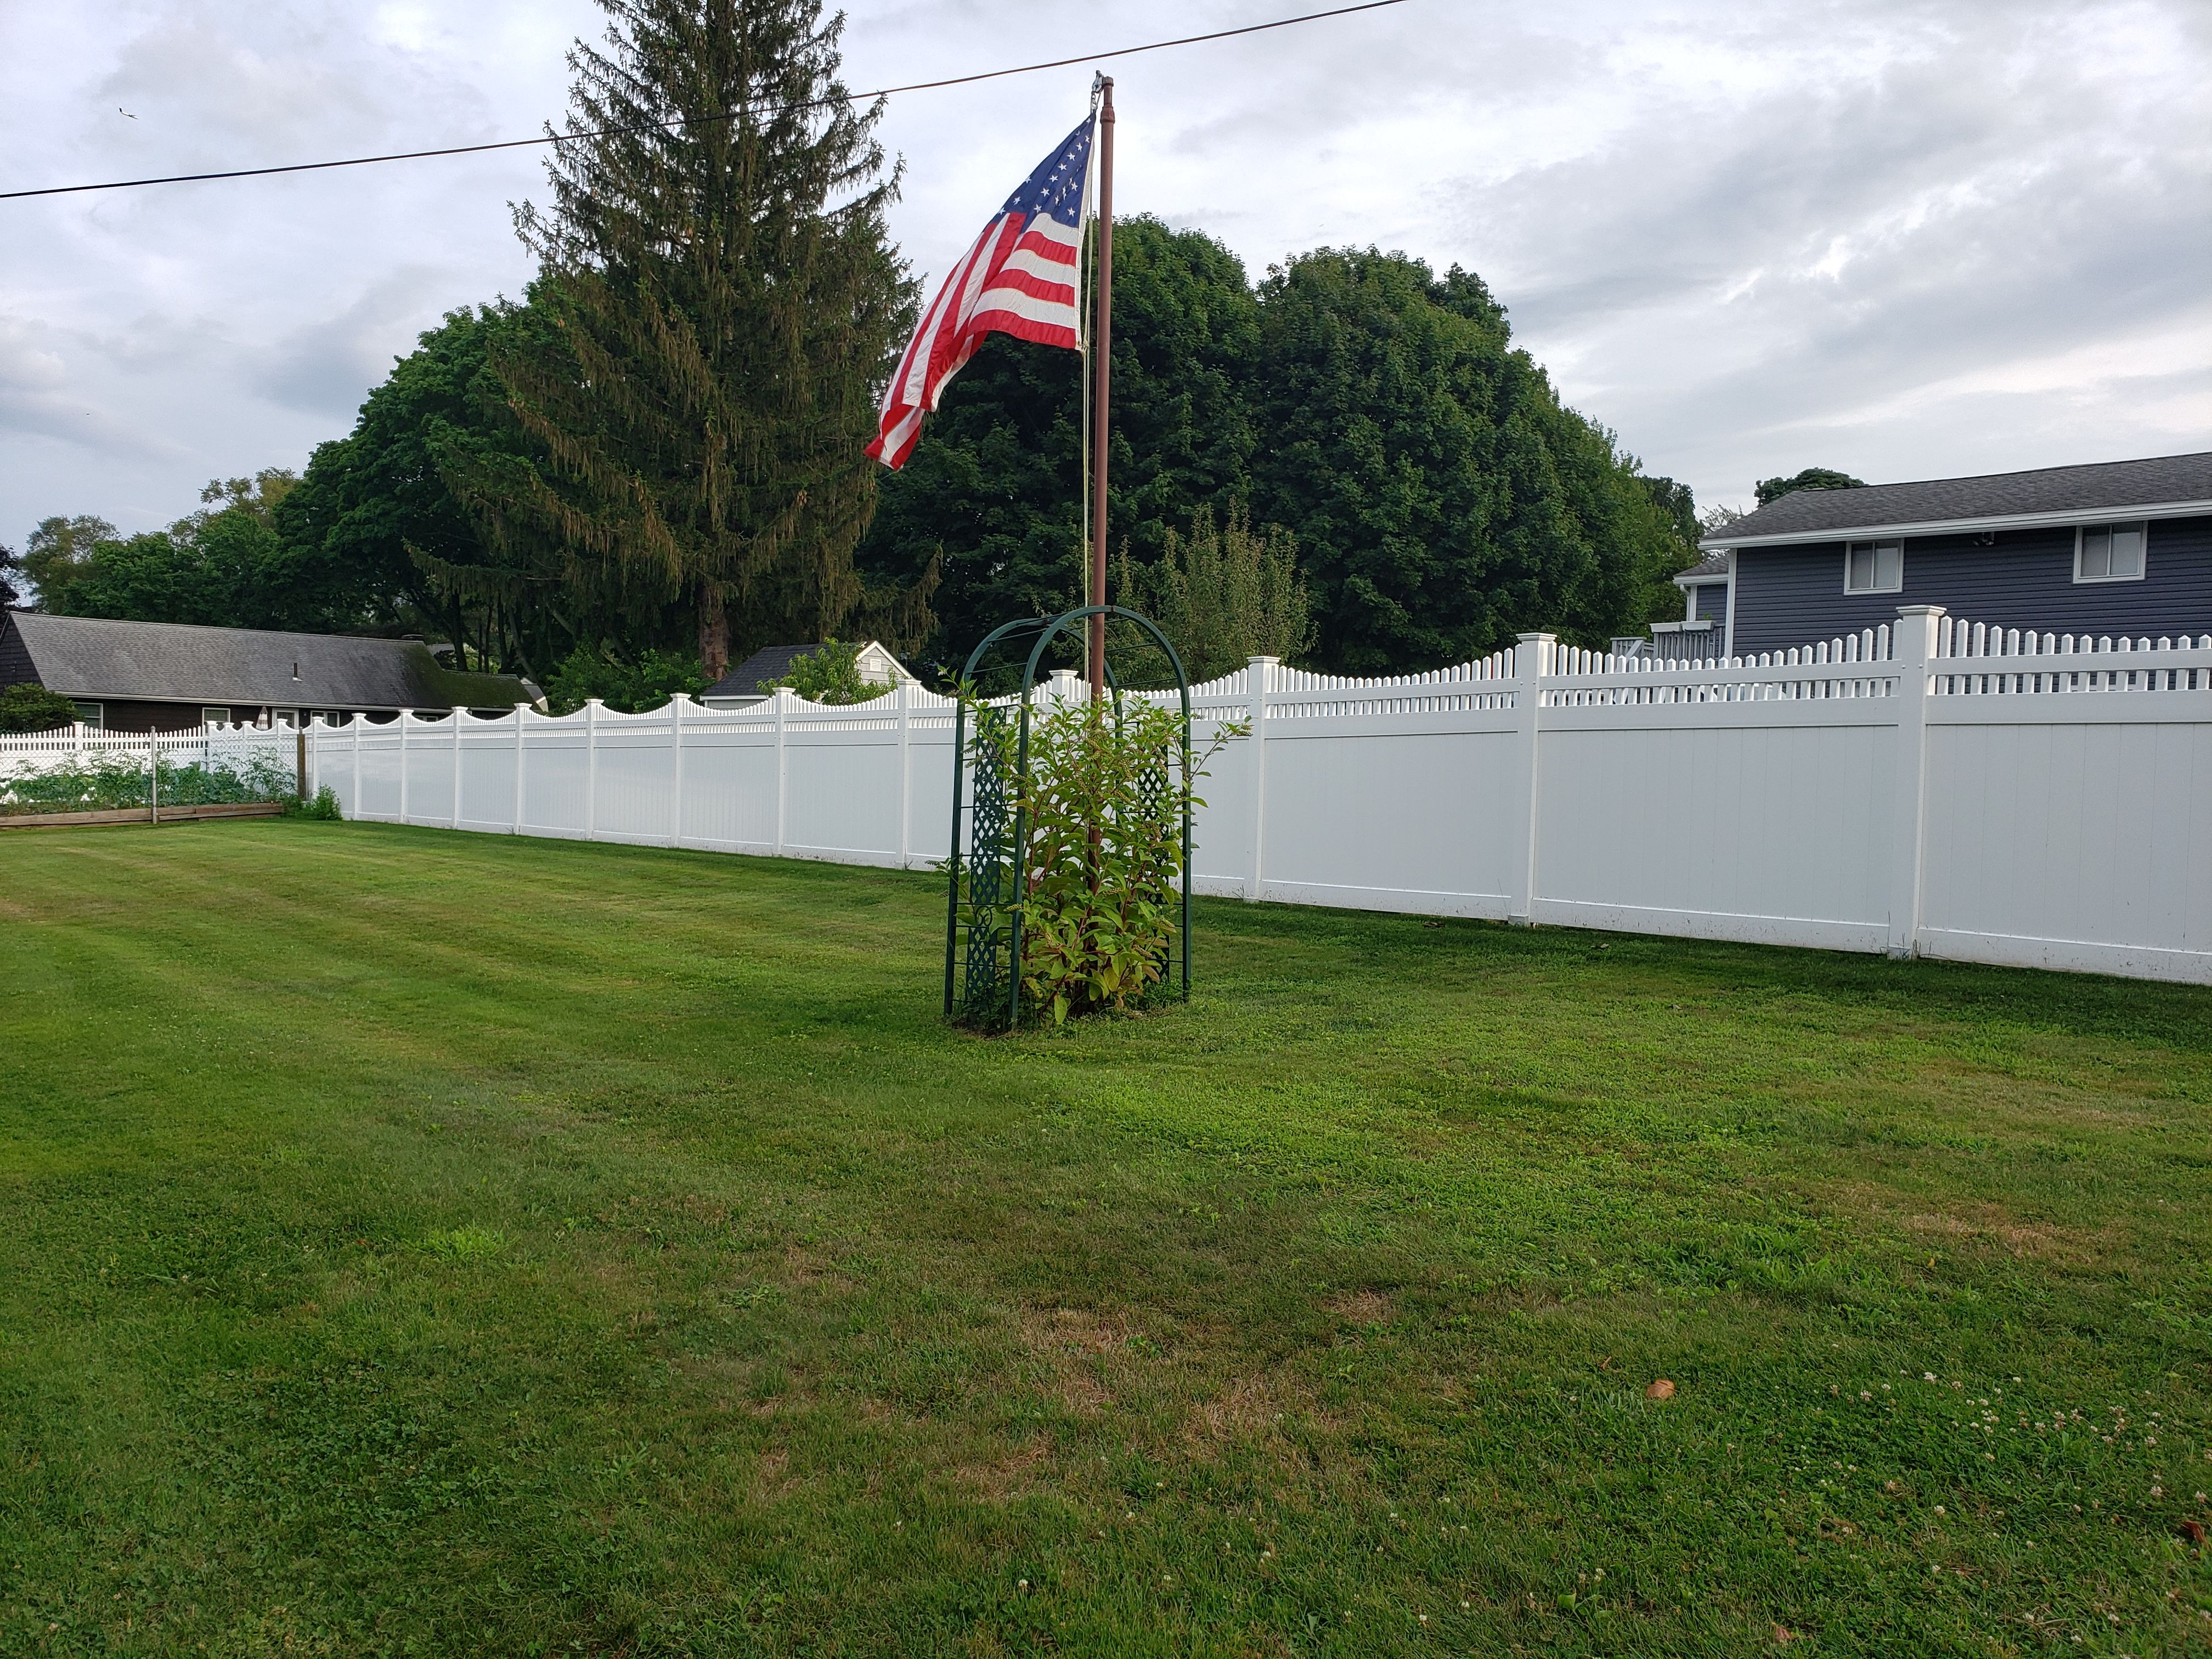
(1018, 279)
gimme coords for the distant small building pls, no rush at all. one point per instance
(170, 677)
(2119, 548)
(753, 679)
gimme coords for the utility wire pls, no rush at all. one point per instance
(729, 115)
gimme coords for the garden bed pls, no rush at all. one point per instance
(14, 818)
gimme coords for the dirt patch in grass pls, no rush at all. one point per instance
(1004, 1479)
(1362, 1307)
(1969, 1222)
(1987, 1225)
(1250, 1408)
(1078, 1343)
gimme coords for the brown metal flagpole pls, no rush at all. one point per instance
(1102, 348)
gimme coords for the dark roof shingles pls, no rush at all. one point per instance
(756, 673)
(2102, 487)
(170, 662)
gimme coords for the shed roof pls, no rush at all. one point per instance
(760, 672)
(174, 662)
(2050, 494)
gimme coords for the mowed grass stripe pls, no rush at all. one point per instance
(439, 1243)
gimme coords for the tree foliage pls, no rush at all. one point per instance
(29, 707)
(1439, 495)
(635, 686)
(831, 675)
(229, 565)
(1771, 490)
(994, 486)
(389, 503)
(723, 298)
(1222, 595)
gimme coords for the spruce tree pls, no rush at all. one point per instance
(726, 300)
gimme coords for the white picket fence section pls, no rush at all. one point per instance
(236, 748)
(1931, 787)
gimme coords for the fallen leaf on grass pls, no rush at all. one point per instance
(1663, 1390)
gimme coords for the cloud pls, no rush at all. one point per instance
(1907, 237)
(326, 367)
(39, 399)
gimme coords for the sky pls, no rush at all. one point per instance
(1907, 238)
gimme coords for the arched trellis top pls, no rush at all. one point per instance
(990, 848)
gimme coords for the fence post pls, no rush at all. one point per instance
(406, 720)
(591, 769)
(906, 774)
(1533, 661)
(1915, 645)
(675, 746)
(781, 699)
(518, 753)
(353, 806)
(456, 716)
(1259, 680)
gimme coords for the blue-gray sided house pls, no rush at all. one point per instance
(2123, 548)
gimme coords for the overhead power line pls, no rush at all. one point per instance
(728, 115)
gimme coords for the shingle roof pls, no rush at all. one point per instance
(1715, 565)
(172, 662)
(2110, 486)
(757, 672)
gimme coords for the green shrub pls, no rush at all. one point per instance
(831, 675)
(634, 687)
(324, 807)
(30, 708)
(1099, 919)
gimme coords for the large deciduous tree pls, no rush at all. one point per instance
(723, 300)
(1771, 490)
(228, 565)
(995, 484)
(1441, 496)
(391, 503)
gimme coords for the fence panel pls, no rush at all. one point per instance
(1929, 786)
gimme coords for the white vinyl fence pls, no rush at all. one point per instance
(1934, 788)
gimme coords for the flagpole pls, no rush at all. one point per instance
(1102, 344)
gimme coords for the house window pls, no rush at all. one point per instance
(214, 717)
(1874, 567)
(93, 716)
(2109, 552)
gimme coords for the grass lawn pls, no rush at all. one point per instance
(425, 1243)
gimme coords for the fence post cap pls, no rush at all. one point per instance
(1920, 611)
(1532, 638)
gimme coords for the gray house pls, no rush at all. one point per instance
(2119, 548)
(168, 677)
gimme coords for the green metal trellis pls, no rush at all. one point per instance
(983, 982)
